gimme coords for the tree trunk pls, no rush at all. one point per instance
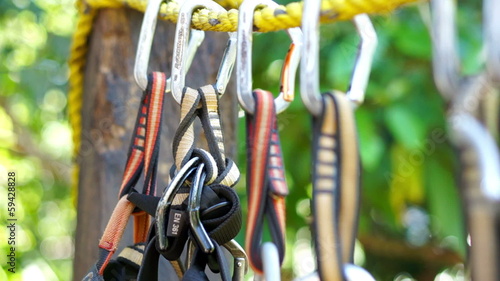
(111, 101)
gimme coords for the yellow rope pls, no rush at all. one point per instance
(265, 20)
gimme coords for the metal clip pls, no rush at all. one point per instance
(240, 267)
(240, 264)
(167, 198)
(351, 272)
(270, 262)
(445, 60)
(199, 232)
(146, 40)
(309, 71)
(491, 24)
(244, 59)
(179, 62)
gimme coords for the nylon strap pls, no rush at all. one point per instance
(266, 185)
(143, 154)
(202, 103)
(335, 186)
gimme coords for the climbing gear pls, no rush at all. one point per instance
(244, 59)
(336, 167)
(479, 154)
(146, 40)
(309, 76)
(271, 261)
(335, 185)
(266, 185)
(266, 20)
(198, 207)
(351, 272)
(180, 50)
(142, 156)
(491, 22)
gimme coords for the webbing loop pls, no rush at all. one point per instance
(336, 188)
(142, 155)
(266, 185)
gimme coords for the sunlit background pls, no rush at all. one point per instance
(411, 219)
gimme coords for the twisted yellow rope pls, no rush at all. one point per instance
(265, 20)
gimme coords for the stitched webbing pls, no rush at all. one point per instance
(335, 185)
(144, 145)
(266, 185)
(203, 103)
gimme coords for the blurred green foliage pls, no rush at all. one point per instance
(409, 184)
(35, 136)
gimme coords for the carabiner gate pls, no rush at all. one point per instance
(146, 40)
(244, 59)
(179, 61)
(167, 199)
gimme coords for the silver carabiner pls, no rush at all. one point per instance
(194, 201)
(270, 262)
(470, 132)
(179, 62)
(240, 265)
(309, 65)
(146, 40)
(491, 24)
(364, 59)
(445, 60)
(351, 272)
(167, 199)
(244, 59)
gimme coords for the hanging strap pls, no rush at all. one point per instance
(142, 155)
(145, 143)
(202, 103)
(335, 186)
(266, 185)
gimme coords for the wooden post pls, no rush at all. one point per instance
(111, 101)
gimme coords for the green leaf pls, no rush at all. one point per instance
(371, 143)
(444, 204)
(405, 126)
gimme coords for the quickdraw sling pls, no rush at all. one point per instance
(336, 190)
(142, 156)
(198, 206)
(266, 185)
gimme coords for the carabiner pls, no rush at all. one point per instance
(352, 272)
(491, 22)
(240, 267)
(362, 66)
(244, 59)
(270, 261)
(194, 201)
(179, 62)
(146, 40)
(468, 131)
(240, 263)
(167, 198)
(445, 60)
(309, 69)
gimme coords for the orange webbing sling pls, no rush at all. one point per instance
(142, 156)
(266, 185)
